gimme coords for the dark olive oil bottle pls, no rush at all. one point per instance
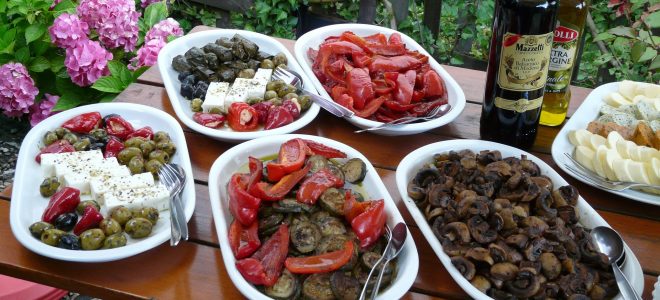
(517, 70)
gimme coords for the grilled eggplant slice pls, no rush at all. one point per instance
(333, 200)
(317, 287)
(286, 287)
(305, 236)
(354, 170)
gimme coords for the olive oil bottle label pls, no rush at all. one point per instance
(521, 105)
(524, 61)
(562, 56)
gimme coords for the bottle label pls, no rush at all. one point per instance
(562, 58)
(524, 61)
(521, 105)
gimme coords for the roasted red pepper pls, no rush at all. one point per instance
(433, 85)
(83, 123)
(372, 106)
(144, 132)
(209, 120)
(242, 205)
(63, 201)
(244, 240)
(369, 225)
(290, 158)
(323, 150)
(292, 108)
(265, 265)
(328, 53)
(262, 110)
(383, 86)
(90, 219)
(60, 146)
(352, 208)
(252, 270)
(278, 116)
(113, 147)
(314, 186)
(405, 84)
(242, 117)
(394, 63)
(266, 191)
(321, 263)
(117, 126)
(359, 87)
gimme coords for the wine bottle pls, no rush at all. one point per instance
(517, 70)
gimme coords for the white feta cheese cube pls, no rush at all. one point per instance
(215, 96)
(155, 196)
(243, 88)
(81, 180)
(50, 160)
(263, 74)
(100, 186)
(85, 166)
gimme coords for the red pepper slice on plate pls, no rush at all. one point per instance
(144, 132)
(417, 96)
(369, 225)
(395, 38)
(398, 107)
(290, 158)
(60, 146)
(433, 84)
(63, 201)
(376, 38)
(359, 87)
(372, 106)
(357, 40)
(278, 116)
(262, 110)
(242, 205)
(256, 172)
(83, 123)
(90, 219)
(388, 50)
(405, 84)
(243, 241)
(331, 50)
(321, 263)
(352, 208)
(292, 107)
(209, 120)
(113, 147)
(266, 191)
(423, 108)
(383, 86)
(252, 270)
(242, 117)
(394, 64)
(312, 188)
(265, 265)
(117, 126)
(323, 150)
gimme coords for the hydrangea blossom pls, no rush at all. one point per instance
(42, 110)
(163, 29)
(86, 62)
(67, 30)
(17, 90)
(148, 54)
(116, 21)
(146, 3)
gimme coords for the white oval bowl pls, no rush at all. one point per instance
(314, 38)
(27, 204)
(414, 161)
(182, 106)
(235, 158)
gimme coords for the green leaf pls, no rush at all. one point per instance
(23, 55)
(637, 50)
(648, 54)
(65, 6)
(456, 61)
(109, 85)
(56, 63)
(653, 20)
(40, 47)
(107, 98)
(655, 64)
(623, 31)
(67, 101)
(115, 68)
(603, 59)
(603, 36)
(155, 13)
(39, 64)
(34, 32)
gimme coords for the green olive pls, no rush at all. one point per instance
(196, 105)
(114, 241)
(246, 73)
(161, 136)
(160, 156)
(99, 134)
(280, 59)
(136, 165)
(134, 142)
(50, 138)
(49, 186)
(138, 227)
(254, 100)
(61, 132)
(147, 147)
(215, 110)
(51, 236)
(270, 95)
(92, 239)
(127, 154)
(153, 166)
(110, 226)
(82, 145)
(72, 138)
(121, 214)
(275, 85)
(276, 101)
(37, 228)
(267, 64)
(80, 209)
(149, 213)
(290, 96)
(286, 89)
(305, 102)
(168, 147)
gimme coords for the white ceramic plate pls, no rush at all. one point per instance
(182, 106)
(315, 37)
(237, 157)
(587, 112)
(656, 290)
(27, 204)
(414, 161)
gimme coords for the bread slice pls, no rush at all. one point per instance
(643, 135)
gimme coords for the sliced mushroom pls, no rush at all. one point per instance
(472, 207)
(543, 205)
(535, 248)
(590, 253)
(479, 254)
(431, 213)
(529, 166)
(533, 191)
(572, 249)
(485, 189)
(598, 292)
(469, 163)
(525, 284)
(500, 167)
(496, 222)
(464, 266)
(417, 193)
(514, 181)
(512, 255)
(503, 271)
(568, 266)
(438, 196)
(543, 181)
(481, 283)
(514, 195)
(486, 157)
(517, 240)
(534, 226)
(457, 231)
(495, 178)
(498, 253)
(568, 214)
(449, 168)
(466, 195)
(501, 203)
(520, 212)
(426, 176)
(566, 195)
(550, 265)
(480, 230)
(548, 290)
(508, 222)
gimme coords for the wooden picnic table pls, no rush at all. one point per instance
(195, 269)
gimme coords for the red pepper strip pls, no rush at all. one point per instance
(359, 41)
(83, 123)
(321, 263)
(433, 84)
(256, 172)
(353, 208)
(90, 219)
(262, 110)
(209, 120)
(369, 225)
(391, 76)
(388, 50)
(291, 158)
(417, 96)
(405, 84)
(276, 192)
(359, 87)
(377, 38)
(242, 205)
(333, 49)
(292, 107)
(243, 241)
(242, 117)
(273, 254)
(312, 188)
(63, 201)
(383, 86)
(252, 270)
(393, 64)
(398, 107)
(325, 151)
(144, 132)
(117, 126)
(372, 106)
(337, 91)
(345, 101)
(361, 60)
(423, 108)
(278, 116)
(418, 55)
(61, 146)
(113, 147)
(395, 38)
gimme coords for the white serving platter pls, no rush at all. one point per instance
(237, 157)
(315, 37)
(414, 161)
(182, 106)
(27, 204)
(587, 112)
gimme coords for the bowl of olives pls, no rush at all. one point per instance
(209, 72)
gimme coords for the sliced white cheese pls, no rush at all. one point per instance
(622, 148)
(610, 157)
(612, 138)
(638, 172)
(215, 96)
(50, 160)
(596, 141)
(585, 156)
(81, 180)
(84, 167)
(615, 99)
(653, 171)
(601, 156)
(622, 170)
(580, 137)
(263, 74)
(649, 90)
(243, 89)
(100, 186)
(155, 196)
(628, 89)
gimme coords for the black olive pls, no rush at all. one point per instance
(69, 241)
(65, 222)
(199, 91)
(187, 90)
(190, 79)
(97, 146)
(183, 75)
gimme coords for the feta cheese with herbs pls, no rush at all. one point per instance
(156, 196)
(215, 96)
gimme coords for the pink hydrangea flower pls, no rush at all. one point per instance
(145, 3)
(148, 54)
(163, 29)
(86, 62)
(116, 21)
(42, 110)
(67, 30)
(17, 90)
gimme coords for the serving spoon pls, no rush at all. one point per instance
(395, 242)
(609, 242)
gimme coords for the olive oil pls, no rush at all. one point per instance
(571, 17)
(517, 70)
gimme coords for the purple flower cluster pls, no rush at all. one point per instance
(114, 20)
(42, 110)
(67, 30)
(163, 29)
(17, 90)
(87, 62)
(154, 41)
(145, 3)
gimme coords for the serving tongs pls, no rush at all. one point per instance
(174, 178)
(395, 241)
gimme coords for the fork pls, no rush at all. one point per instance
(590, 176)
(294, 79)
(180, 174)
(434, 113)
(174, 186)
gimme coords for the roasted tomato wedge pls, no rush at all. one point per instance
(83, 123)
(321, 263)
(244, 240)
(242, 205)
(290, 158)
(312, 188)
(265, 265)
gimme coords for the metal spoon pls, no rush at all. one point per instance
(609, 242)
(178, 202)
(399, 234)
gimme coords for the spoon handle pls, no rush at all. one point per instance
(625, 288)
(374, 292)
(363, 294)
